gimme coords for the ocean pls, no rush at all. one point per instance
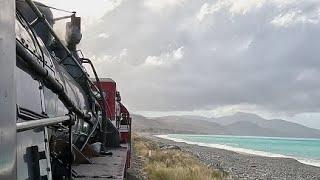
(304, 150)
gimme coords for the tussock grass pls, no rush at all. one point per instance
(172, 164)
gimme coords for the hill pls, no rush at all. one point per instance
(243, 124)
(175, 124)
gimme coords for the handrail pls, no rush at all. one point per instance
(27, 125)
(41, 18)
(103, 103)
(49, 81)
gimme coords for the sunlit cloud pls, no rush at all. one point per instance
(165, 58)
(159, 5)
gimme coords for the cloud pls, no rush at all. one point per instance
(233, 6)
(90, 11)
(295, 17)
(166, 58)
(107, 58)
(104, 36)
(159, 5)
(206, 9)
(244, 6)
(206, 54)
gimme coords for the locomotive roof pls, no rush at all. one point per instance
(103, 80)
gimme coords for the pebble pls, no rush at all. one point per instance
(245, 166)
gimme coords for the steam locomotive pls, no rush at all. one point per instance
(68, 125)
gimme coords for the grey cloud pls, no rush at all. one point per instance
(228, 59)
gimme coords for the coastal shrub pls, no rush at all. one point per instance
(158, 171)
(172, 164)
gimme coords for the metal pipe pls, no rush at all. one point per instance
(103, 103)
(61, 18)
(70, 151)
(49, 81)
(43, 19)
(23, 126)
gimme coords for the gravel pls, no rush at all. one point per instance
(135, 172)
(245, 166)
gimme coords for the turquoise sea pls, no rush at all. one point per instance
(304, 150)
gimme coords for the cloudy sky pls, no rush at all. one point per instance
(208, 57)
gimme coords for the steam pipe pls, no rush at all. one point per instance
(41, 17)
(49, 81)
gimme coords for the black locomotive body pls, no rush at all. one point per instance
(61, 116)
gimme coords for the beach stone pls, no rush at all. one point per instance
(246, 166)
(170, 147)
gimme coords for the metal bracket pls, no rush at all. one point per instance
(35, 157)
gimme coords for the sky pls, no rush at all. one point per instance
(207, 57)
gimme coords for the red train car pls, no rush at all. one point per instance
(117, 112)
(109, 88)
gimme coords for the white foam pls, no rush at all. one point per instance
(243, 150)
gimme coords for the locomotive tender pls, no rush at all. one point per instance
(56, 122)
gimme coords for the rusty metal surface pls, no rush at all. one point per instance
(107, 167)
(7, 91)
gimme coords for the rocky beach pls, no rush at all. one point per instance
(238, 165)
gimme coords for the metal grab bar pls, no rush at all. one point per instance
(27, 125)
(102, 103)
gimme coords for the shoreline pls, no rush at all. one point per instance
(242, 150)
(245, 166)
(152, 159)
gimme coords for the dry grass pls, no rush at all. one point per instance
(172, 164)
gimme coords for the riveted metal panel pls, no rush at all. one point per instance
(7, 91)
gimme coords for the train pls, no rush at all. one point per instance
(58, 122)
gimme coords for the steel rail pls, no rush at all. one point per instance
(27, 125)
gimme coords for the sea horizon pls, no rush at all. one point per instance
(304, 150)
